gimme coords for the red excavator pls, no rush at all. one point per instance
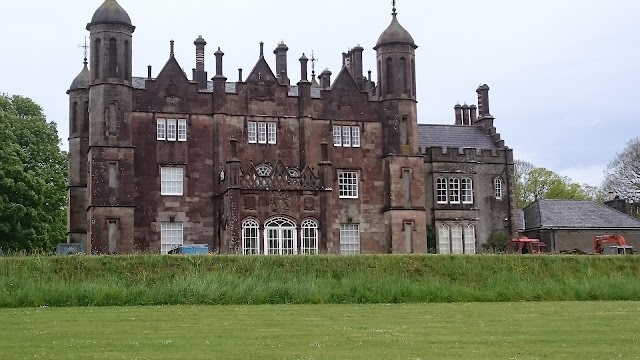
(620, 247)
(525, 245)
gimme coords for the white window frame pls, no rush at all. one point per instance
(161, 129)
(250, 237)
(337, 135)
(280, 237)
(346, 136)
(272, 133)
(355, 136)
(349, 239)
(454, 190)
(172, 129)
(262, 132)
(182, 129)
(444, 240)
(470, 239)
(466, 186)
(172, 181)
(497, 188)
(348, 184)
(252, 132)
(457, 243)
(309, 237)
(171, 236)
(442, 191)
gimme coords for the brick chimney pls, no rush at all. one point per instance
(458, 110)
(200, 73)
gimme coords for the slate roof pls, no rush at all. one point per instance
(576, 214)
(433, 135)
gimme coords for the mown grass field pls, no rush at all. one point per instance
(541, 330)
(225, 280)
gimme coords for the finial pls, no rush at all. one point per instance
(171, 53)
(86, 47)
(261, 49)
(394, 13)
(313, 64)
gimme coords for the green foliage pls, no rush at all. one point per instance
(480, 331)
(191, 280)
(33, 178)
(534, 183)
(497, 242)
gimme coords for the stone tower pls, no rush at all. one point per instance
(405, 215)
(78, 146)
(111, 189)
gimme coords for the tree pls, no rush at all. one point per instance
(535, 183)
(33, 178)
(622, 176)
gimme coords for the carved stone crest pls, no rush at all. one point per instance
(250, 202)
(262, 90)
(309, 204)
(280, 203)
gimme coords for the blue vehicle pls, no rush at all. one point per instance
(196, 249)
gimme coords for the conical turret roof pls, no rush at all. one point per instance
(83, 80)
(111, 12)
(395, 34)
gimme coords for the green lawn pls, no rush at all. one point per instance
(545, 330)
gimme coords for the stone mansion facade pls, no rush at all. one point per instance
(275, 162)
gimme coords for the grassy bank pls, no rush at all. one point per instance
(558, 330)
(157, 280)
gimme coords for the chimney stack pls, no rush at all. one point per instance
(474, 114)
(200, 73)
(149, 72)
(458, 110)
(325, 79)
(219, 54)
(483, 101)
(281, 63)
(304, 68)
(466, 117)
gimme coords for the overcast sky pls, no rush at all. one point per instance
(564, 74)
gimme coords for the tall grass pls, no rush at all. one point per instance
(156, 280)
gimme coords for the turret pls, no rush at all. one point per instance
(110, 178)
(397, 88)
(396, 62)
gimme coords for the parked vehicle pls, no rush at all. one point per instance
(525, 245)
(620, 246)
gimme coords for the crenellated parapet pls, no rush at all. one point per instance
(468, 155)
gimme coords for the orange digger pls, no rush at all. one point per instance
(620, 246)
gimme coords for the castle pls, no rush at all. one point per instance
(275, 163)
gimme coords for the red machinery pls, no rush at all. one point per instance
(620, 247)
(525, 245)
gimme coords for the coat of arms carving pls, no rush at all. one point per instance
(280, 203)
(262, 90)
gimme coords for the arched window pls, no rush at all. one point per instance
(404, 131)
(309, 243)
(457, 246)
(467, 191)
(113, 58)
(497, 186)
(379, 78)
(74, 117)
(96, 59)
(280, 237)
(127, 57)
(263, 170)
(470, 239)
(250, 237)
(390, 87)
(413, 76)
(454, 190)
(403, 73)
(444, 244)
(441, 190)
(86, 117)
(113, 118)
